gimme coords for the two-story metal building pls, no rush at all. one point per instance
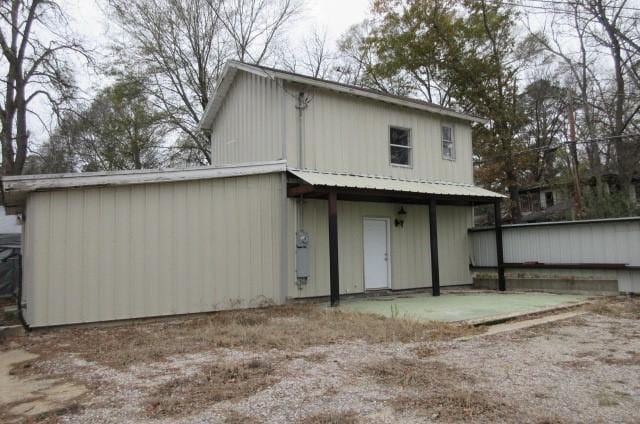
(317, 189)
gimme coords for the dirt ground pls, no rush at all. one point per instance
(304, 364)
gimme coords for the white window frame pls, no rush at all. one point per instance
(409, 146)
(453, 141)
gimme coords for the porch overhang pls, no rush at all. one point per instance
(369, 188)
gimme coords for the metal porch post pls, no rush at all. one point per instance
(433, 239)
(334, 274)
(502, 286)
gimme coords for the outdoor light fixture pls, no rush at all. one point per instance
(401, 216)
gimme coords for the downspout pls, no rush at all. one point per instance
(301, 106)
(19, 294)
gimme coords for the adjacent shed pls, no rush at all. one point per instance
(109, 246)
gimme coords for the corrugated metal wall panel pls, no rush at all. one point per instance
(250, 124)
(410, 257)
(153, 249)
(594, 242)
(258, 121)
(359, 130)
(606, 241)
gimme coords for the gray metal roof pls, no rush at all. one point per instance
(232, 67)
(374, 182)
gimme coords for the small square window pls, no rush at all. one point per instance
(448, 143)
(400, 146)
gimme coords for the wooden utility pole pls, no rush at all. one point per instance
(574, 157)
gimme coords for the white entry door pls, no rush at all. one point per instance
(376, 253)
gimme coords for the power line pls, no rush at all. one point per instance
(561, 144)
(551, 7)
(575, 3)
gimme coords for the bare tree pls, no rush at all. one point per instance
(609, 15)
(182, 46)
(314, 57)
(355, 62)
(33, 54)
(606, 35)
(253, 25)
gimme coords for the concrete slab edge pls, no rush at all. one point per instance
(499, 319)
(521, 325)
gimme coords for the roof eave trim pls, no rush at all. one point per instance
(215, 103)
(473, 191)
(16, 186)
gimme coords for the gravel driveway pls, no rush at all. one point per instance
(301, 365)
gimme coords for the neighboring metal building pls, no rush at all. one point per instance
(318, 188)
(582, 251)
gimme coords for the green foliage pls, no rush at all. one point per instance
(608, 205)
(461, 53)
(119, 129)
(53, 157)
(544, 103)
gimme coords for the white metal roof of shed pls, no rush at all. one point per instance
(375, 182)
(15, 188)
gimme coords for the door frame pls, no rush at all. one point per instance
(389, 256)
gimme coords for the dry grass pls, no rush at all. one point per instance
(617, 307)
(212, 383)
(289, 328)
(436, 390)
(576, 364)
(424, 351)
(632, 360)
(412, 373)
(348, 417)
(236, 418)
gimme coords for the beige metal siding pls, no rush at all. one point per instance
(602, 241)
(153, 249)
(259, 121)
(410, 255)
(606, 241)
(345, 133)
(250, 124)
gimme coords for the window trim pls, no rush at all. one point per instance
(453, 141)
(409, 146)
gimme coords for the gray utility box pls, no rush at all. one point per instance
(302, 255)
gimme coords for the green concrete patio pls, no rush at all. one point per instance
(459, 306)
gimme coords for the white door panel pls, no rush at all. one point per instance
(376, 253)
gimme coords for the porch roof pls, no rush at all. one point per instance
(415, 191)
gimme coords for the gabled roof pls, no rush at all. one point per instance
(232, 68)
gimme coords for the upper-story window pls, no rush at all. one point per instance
(448, 143)
(400, 146)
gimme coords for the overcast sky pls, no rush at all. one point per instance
(87, 20)
(334, 16)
